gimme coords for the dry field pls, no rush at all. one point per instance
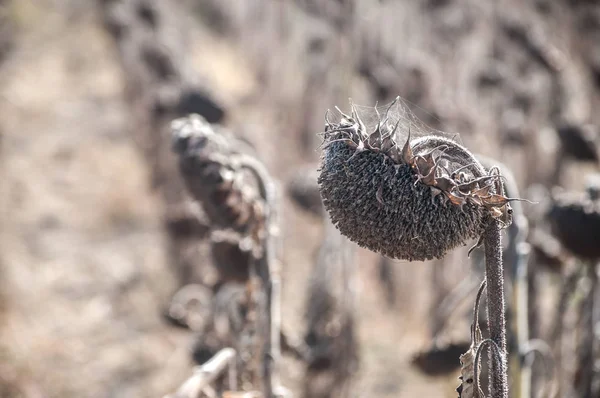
(90, 253)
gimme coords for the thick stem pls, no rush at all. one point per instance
(521, 376)
(496, 313)
(516, 257)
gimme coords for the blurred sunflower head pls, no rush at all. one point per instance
(575, 221)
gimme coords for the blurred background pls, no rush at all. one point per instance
(98, 232)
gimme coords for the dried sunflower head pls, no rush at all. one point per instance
(579, 142)
(440, 360)
(406, 197)
(575, 221)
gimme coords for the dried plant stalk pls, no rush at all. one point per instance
(270, 274)
(586, 348)
(543, 349)
(331, 339)
(494, 275)
(575, 221)
(204, 375)
(495, 357)
(521, 374)
(516, 255)
(568, 287)
(214, 169)
(470, 360)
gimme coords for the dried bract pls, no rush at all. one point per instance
(413, 200)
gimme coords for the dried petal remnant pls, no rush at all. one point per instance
(406, 200)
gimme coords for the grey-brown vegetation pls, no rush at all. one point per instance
(128, 269)
(239, 197)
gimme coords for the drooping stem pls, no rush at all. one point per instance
(268, 270)
(516, 263)
(212, 164)
(496, 312)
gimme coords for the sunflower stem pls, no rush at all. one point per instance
(495, 305)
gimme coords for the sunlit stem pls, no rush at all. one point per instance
(495, 305)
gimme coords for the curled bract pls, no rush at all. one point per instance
(411, 200)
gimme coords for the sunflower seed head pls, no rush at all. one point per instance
(379, 207)
(414, 201)
(386, 197)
